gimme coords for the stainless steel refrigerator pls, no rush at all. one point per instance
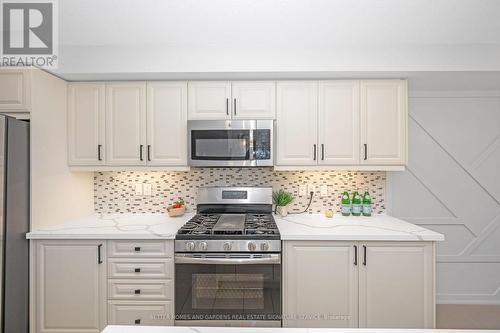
(14, 224)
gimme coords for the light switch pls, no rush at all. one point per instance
(302, 190)
(138, 189)
(147, 189)
(323, 189)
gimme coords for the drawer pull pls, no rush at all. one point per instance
(137, 249)
(137, 321)
(137, 270)
(137, 291)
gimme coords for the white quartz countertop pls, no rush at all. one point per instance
(119, 226)
(354, 228)
(179, 329)
(292, 227)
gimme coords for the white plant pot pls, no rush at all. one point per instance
(282, 210)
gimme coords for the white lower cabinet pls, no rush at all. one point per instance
(396, 285)
(141, 282)
(80, 287)
(69, 280)
(358, 284)
(140, 313)
(320, 284)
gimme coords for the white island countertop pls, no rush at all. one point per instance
(115, 226)
(353, 228)
(180, 329)
(292, 227)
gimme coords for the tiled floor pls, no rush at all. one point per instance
(457, 316)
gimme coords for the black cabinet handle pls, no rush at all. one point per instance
(137, 291)
(137, 249)
(322, 152)
(235, 106)
(137, 322)
(149, 153)
(314, 152)
(366, 151)
(227, 106)
(99, 260)
(355, 255)
(364, 255)
(140, 152)
(99, 158)
(137, 270)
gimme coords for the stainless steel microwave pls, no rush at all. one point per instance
(230, 143)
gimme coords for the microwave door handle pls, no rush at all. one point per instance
(251, 143)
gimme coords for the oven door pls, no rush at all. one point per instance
(230, 142)
(228, 289)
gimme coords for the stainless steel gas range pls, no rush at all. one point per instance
(228, 260)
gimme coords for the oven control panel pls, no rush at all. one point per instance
(237, 245)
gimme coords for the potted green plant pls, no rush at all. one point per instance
(281, 199)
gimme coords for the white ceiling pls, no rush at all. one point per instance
(140, 39)
(293, 22)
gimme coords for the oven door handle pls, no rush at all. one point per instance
(179, 259)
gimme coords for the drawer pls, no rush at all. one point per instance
(140, 289)
(140, 268)
(141, 313)
(140, 248)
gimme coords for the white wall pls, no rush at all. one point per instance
(57, 195)
(452, 185)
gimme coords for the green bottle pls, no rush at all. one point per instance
(367, 204)
(356, 204)
(345, 208)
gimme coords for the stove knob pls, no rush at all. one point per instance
(190, 246)
(264, 246)
(227, 246)
(203, 246)
(252, 246)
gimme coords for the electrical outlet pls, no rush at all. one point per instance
(147, 189)
(138, 189)
(323, 189)
(302, 190)
(310, 188)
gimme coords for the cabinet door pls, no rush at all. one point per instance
(254, 99)
(209, 100)
(384, 122)
(15, 90)
(396, 285)
(320, 279)
(86, 121)
(296, 124)
(338, 125)
(167, 123)
(126, 123)
(70, 286)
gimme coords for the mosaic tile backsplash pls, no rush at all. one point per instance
(114, 192)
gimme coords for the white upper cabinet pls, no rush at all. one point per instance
(86, 123)
(384, 122)
(254, 99)
(15, 90)
(296, 123)
(126, 123)
(209, 100)
(338, 125)
(167, 123)
(396, 285)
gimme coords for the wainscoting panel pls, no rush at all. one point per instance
(452, 186)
